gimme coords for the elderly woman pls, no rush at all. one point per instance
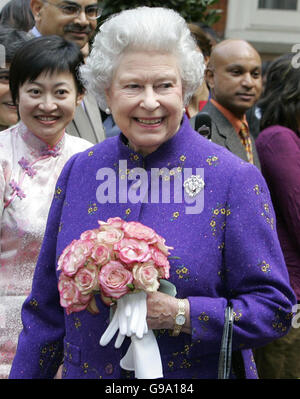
(144, 67)
(45, 86)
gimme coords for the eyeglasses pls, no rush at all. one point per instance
(92, 12)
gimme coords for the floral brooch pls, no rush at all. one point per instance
(193, 185)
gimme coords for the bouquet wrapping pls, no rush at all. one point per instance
(120, 261)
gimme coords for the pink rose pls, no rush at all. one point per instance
(109, 235)
(101, 254)
(86, 279)
(81, 305)
(139, 231)
(161, 262)
(89, 235)
(131, 250)
(113, 279)
(145, 276)
(114, 222)
(160, 243)
(70, 296)
(74, 256)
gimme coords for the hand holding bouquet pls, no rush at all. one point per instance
(115, 259)
(121, 261)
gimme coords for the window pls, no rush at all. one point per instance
(272, 26)
(278, 4)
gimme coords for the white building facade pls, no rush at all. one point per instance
(272, 26)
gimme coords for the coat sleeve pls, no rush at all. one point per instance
(254, 275)
(40, 346)
(280, 158)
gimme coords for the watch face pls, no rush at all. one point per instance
(180, 319)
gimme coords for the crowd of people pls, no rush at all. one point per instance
(74, 102)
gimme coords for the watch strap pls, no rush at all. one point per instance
(181, 311)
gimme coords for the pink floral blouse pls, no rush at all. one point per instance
(29, 169)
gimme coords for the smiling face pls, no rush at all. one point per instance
(47, 105)
(234, 76)
(50, 20)
(146, 99)
(8, 112)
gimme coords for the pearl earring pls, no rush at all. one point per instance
(108, 111)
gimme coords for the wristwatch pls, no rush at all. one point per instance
(179, 318)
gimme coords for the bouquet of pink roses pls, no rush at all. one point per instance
(113, 260)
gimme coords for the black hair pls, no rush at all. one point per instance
(18, 15)
(210, 32)
(280, 102)
(12, 40)
(45, 54)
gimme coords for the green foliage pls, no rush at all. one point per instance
(190, 10)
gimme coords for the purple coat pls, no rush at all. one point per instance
(279, 153)
(229, 251)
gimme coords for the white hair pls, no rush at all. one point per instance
(142, 29)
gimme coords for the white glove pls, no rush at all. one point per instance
(132, 314)
(111, 330)
(143, 357)
(129, 318)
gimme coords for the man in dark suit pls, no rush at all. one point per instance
(76, 21)
(234, 78)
